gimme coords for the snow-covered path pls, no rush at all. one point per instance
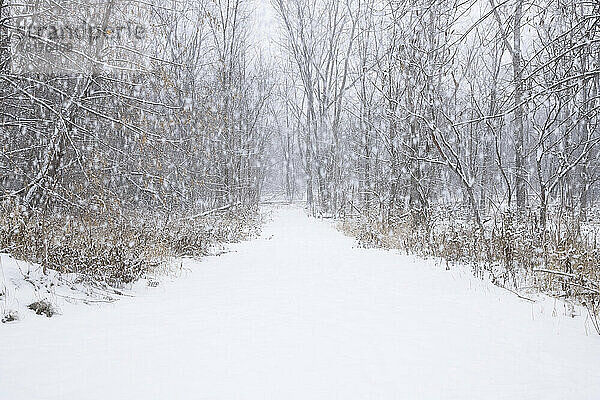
(301, 314)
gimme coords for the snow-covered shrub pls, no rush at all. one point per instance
(113, 246)
(367, 233)
(196, 236)
(9, 316)
(42, 307)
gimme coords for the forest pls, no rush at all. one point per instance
(134, 131)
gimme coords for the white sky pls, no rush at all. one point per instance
(265, 26)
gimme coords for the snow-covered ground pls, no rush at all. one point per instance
(299, 313)
(22, 284)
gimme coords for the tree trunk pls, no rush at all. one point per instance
(520, 173)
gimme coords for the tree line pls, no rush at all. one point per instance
(400, 108)
(131, 104)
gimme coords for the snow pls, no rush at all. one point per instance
(300, 313)
(23, 283)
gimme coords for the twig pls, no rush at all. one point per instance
(517, 294)
(86, 300)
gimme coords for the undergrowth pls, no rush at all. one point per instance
(562, 260)
(113, 247)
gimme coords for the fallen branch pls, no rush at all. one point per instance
(205, 213)
(583, 279)
(516, 293)
(592, 290)
(550, 271)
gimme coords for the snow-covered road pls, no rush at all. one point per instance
(301, 314)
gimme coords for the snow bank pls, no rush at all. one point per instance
(23, 284)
